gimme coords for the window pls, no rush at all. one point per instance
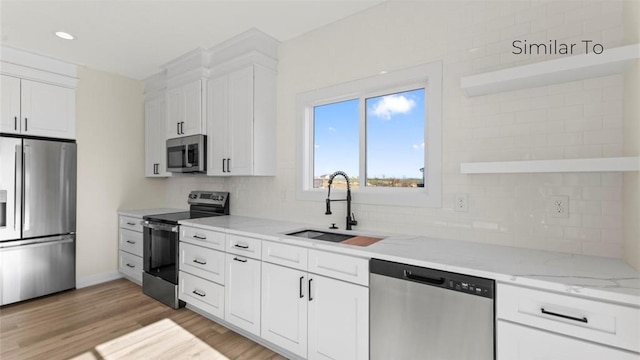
(383, 131)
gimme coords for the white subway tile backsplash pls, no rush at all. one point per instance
(578, 119)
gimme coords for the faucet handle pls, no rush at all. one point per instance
(333, 226)
(353, 220)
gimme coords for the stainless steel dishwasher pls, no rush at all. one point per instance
(421, 313)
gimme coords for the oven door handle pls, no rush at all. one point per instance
(159, 226)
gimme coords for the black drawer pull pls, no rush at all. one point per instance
(131, 266)
(131, 224)
(200, 237)
(310, 297)
(241, 246)
(582, 319)
(201, 294)
(131, 242)
(241, 260)
(301, 294)
(200, 262)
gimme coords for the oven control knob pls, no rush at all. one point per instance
(193, 196)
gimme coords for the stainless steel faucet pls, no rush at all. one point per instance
(351, 218)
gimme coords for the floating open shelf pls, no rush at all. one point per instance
(570, 68)
(553, 166)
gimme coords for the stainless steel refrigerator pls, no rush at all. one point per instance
(37, 217)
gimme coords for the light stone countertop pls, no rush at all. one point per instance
(144, 212)
(589, 276)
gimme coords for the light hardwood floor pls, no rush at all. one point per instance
(115, 320)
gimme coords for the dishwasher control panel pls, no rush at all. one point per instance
(470, 287)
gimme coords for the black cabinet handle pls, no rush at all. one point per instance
(182, 128)
(26, 123)
(131, 266)
(582, 319)
(15, 123)
(241, 260)
(223, 165)
(178, 128)
(310, 297)
(200, 262)
(241, 246)
(409, 275)
(228, 165)
(301, 294)
(130, 223)
(131, 242)
(201, 294)
(200, 237)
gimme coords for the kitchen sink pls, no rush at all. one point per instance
(336, 237)
(321, 235)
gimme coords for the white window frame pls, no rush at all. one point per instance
(427, 76)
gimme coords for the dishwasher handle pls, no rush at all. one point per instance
(424, 279)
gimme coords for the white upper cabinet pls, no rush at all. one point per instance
(37, 109)
(11, 121)
(241, 122)
(155, 110)
(38, 96)
(184, 110)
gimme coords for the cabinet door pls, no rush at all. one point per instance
(284, 308)
(242, 294)
(155, 138)
(10, 120)
(192, 94)
(217, 119)
(48, 110)
(338, 319)
(240, 126)
(517, 342)
(175, 110)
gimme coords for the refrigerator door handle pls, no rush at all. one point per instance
(27, 188)
(17, 188)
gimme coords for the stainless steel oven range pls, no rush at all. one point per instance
(160, 238)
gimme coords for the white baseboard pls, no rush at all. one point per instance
(97, 279)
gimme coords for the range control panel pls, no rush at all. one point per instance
(208, 198)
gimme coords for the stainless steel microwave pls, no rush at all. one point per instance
(187, 154)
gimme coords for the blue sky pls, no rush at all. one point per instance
(395, 128)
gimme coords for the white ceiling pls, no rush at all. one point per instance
(133, 38)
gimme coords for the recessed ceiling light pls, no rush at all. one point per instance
(64, 35)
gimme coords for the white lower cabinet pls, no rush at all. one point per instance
(310, 315)
(518, 342)
(204, 294)
(284, 307)
(338, 318)
(242, 295)
(130, 248)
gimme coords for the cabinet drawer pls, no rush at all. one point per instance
(201, 293)
(244, 246)
(130, 266)
(517, 342)
(206, 238)
(597, 321)
(205, 263)
(131, 242)
(130, 223)
(286, 255)
(341, 267)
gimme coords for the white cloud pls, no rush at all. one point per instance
(416, 146)
(392, 104)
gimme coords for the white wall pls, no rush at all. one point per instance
(110, 138)
(569, 120)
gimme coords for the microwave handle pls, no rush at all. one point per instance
(186, 157)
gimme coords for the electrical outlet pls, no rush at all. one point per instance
(558, 206)
(461, 203)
